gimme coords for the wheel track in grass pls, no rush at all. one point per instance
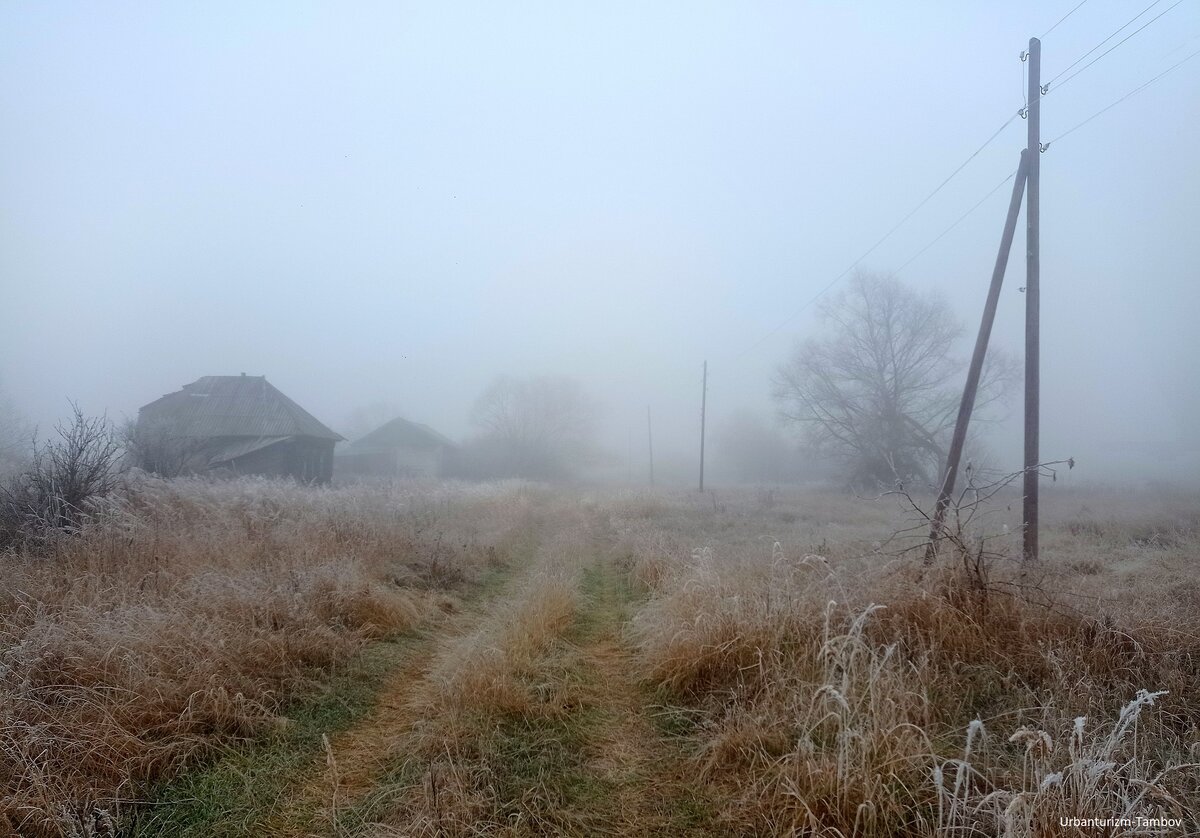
(647, 771)
(352, 759)
(280, 785)
(590, 760)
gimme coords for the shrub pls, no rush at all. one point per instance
(64, 478)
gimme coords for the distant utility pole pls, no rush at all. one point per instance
(703, 405)
(629, 458)
(1033, 153)
(650, 440)
(976, 369)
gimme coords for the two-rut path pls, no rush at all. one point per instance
(604, 768)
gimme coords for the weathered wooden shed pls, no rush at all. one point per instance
(399, 448)
(235, 424)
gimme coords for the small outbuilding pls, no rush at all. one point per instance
(399, 448)
(234, 424)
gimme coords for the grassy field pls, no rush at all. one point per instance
(254, 658)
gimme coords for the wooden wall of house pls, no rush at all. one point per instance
(417, 462)
(311, 460)
(266, 462)
(397, 462)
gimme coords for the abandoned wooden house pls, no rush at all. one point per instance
(399, 448)
(233, 424)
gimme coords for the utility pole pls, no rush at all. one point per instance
(976, 369)
(650, 440)
(1033, 153)
(703, 405)
(629, 458)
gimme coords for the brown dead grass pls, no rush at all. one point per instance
(354, 759)
(505, 668)
(851, 694)
(535, 723)
(188, 614)
(813, 683)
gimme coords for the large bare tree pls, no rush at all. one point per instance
(881, 390)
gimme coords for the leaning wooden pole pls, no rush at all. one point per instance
(975, 371)
(1033, 305)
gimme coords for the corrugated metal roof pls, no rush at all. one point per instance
(232, 406)
(400, 433)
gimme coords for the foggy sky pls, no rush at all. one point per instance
(397, 202)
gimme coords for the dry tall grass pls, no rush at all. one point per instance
(849, 694)
(829, 687)
(505, 675)
(187, 614)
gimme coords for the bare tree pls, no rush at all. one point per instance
(881, 391)
(542, 427)
(158, 448)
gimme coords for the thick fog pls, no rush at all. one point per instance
(382, 207)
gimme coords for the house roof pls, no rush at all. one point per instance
(227, 452)
(233, 406)
(399, 433)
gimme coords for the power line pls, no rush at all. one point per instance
(958, 221)
(1113, 104)
(1046, 87)
(1186, 42)
(1045, 146)
(1102, 43)
(1024, 86)
(882, 239)
(1061, 19)
(1118, 43)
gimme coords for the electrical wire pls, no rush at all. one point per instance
(1024, 85)
(1046, 86)
(881, 240)
(1116, 102)
(1186, 43)
(958, 221)
(1102, 43)
(1044, 147)
(1061, 19)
